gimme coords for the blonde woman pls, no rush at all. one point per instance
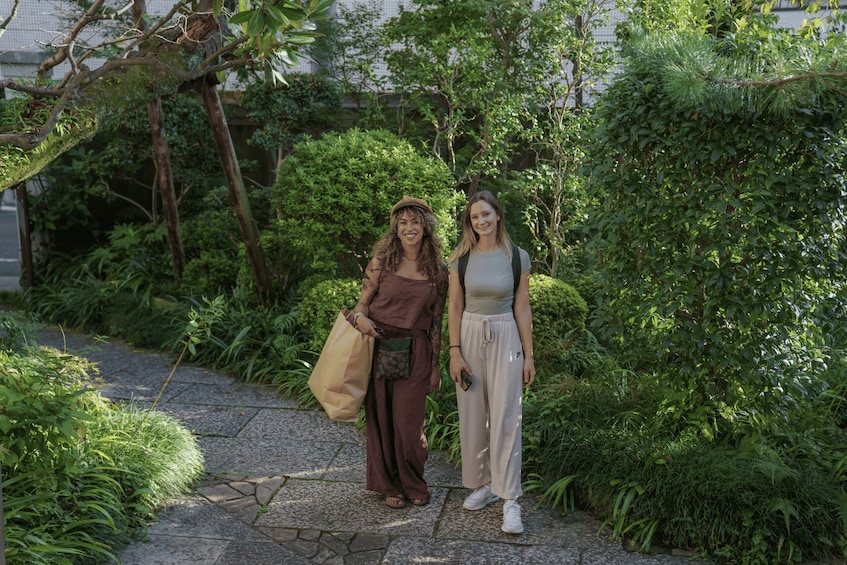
(490, 329)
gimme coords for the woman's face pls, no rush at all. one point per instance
(483, 218)
(410, 229)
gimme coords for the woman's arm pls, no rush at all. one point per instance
(523, 318)
(370, 286)
(455, 309)
(435, 332)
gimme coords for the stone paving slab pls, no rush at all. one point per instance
(300, 459)
(300, 425)
(171, 550)
(140, 389)
(230, 394)
(259, 554)
(314, 504)
(195, 531)
(348, 464)
(543, 525)
(405, 550)
(209, 420)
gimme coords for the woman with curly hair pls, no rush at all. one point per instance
(403, 296)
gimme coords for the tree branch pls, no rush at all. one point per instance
(28, 141)
(11, 17)
(777, 82)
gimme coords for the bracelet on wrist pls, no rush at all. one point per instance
(456, 346)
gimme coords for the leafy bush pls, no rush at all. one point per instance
(112, 289)
(80, 474)
(212, 244)
(320, 305)
(558, 315)
(609, 440)
(257, 344)
(333, 197)
(753, 503)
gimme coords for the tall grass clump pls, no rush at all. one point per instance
(80, 474)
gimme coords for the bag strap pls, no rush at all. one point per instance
(516, 269)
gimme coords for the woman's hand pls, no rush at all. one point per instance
(434, 381)
(457, 365)
(365, 325)
(528, 371)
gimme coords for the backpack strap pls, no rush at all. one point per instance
(516, 269)
(463, 266)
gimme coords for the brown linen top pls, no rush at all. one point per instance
(397, 301)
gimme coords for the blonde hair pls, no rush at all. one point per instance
(390, 249)
(470, 238)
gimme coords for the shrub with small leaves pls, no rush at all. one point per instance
(333, 197)
(558, 316)
(321, 304)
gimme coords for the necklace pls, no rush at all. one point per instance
(415, 260)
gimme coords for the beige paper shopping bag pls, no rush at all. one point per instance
(340, 378)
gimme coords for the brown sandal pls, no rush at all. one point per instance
(396, 502)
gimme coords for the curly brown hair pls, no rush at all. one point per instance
(429, 261)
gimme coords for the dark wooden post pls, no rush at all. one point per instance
(24, 236)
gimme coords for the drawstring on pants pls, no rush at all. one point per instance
(487, 336)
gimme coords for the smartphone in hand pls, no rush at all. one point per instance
(466, 380)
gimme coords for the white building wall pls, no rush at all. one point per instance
(42, 23)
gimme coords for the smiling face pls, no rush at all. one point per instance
(410, 228)
(484, 218)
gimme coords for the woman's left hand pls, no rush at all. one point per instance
(434, 381)
(528, 371)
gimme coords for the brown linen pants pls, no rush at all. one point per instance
(395, 410)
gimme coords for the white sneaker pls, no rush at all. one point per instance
(512, 523)
(480, 498)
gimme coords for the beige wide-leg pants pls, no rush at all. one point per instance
(490, 411)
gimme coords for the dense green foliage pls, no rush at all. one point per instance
(320, 306)
(719, 241)
(286, 113)
(720, 238)
(81, 475)
(558, 318)
(705, 405)
(22, 114)
(333, 197)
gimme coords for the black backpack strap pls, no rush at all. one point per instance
(463, 266)
(516, 267)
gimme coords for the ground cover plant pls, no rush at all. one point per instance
(81, 475)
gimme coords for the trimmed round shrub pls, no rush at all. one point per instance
(210, 274)
(333, 197)
(558, 317)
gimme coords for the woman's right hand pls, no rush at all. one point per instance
(457, 365)
(366, 326)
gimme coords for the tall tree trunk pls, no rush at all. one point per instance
(237, 191)
(166, 185)
(164, 173)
